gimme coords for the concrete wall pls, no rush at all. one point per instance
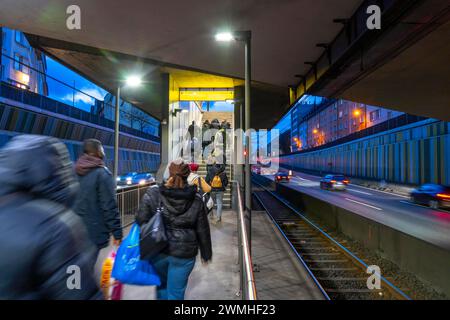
(426, 261)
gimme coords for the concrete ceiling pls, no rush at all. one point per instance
(285, 32)
(155, 35)
(417, 80)
(406, 69)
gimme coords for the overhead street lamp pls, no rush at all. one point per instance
(130, 81)
(244, 36)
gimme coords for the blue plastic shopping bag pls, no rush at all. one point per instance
(128, 268)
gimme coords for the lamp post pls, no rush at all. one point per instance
(131, 81)
(244, 36)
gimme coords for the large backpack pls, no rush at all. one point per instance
(216, 182)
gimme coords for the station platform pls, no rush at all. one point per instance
(277, 274)
(218, 280)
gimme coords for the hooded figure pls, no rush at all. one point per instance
(187, 229)
(41, 239)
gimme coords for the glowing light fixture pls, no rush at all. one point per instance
(224, 37)
(356, 113)
(133, 81)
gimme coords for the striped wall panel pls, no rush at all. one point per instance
(25, 121)
(413, 155)
(138, 154)
(129, 160)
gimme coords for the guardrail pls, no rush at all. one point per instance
(247, 281)
(128, 201)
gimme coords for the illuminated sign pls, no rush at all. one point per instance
(206, 95)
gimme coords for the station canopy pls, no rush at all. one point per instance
(177, 37)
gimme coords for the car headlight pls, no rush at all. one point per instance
(118, 179)
(142, 181)
(129, 179)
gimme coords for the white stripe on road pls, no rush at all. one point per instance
(302, 178)
(353, 190)
(390, 193)
(364, 204)
(422, 206)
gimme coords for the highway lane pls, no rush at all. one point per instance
(387, 208)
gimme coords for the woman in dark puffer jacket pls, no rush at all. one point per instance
(187, 229)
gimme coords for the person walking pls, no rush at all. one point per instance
(218, 180)
(187, 230)
(195, 179)
(44, 248)
(206, 140)
(96, 203)
(210, 161)
(194, 135)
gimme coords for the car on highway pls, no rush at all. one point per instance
(433, 195)
(126, 179)
(143, 178)
(256, 169)
(281, 176)
(334, 182)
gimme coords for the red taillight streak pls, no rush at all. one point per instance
(442, 195)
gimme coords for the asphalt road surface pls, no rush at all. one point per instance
(389, 209)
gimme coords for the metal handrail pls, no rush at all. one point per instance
(248, 287)
(128, 202)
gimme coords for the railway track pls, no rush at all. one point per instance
(338, 273)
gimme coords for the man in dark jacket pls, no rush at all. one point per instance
(96, 203)
(218, 180)
(45, 252)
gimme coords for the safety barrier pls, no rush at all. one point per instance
(128, 201)
(247, 280)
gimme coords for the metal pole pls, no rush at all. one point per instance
(248, 186)
(116, 135)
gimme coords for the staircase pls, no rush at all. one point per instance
(228, 167)
(227, 195)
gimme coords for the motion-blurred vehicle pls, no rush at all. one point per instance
(281, 176)
(256, 169)
(126, 179)
(334, 182)
(433, 195)
(142, 178)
